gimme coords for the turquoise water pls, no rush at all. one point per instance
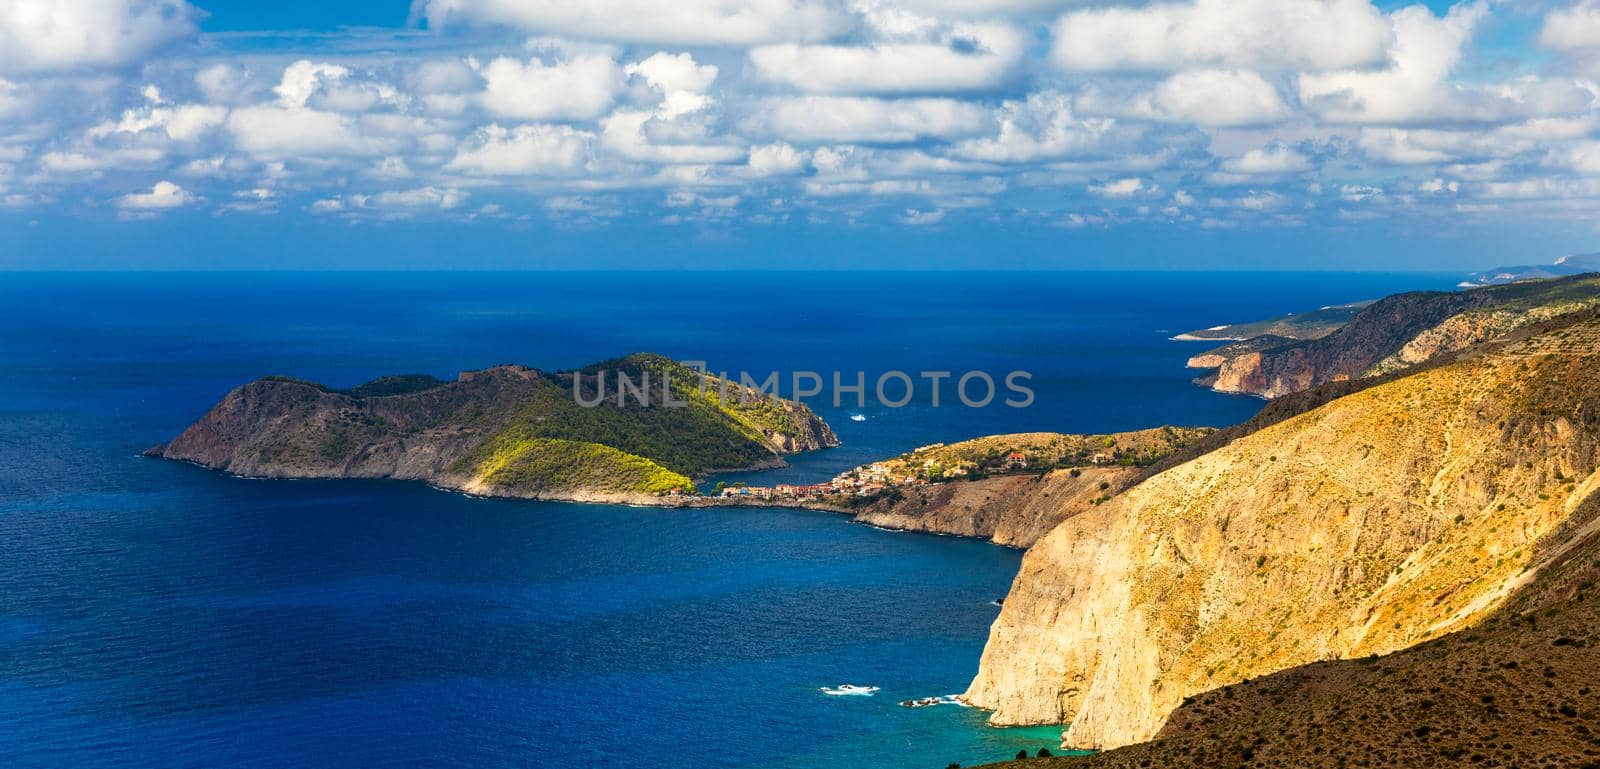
(154, 614)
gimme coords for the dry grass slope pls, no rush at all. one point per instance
(1391, 516)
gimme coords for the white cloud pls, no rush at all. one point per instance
(1123, 188)
(626, 133)
(1245, 34)
(812, 119)
(681, 82)
(303, 78)
(222, 83)
(776, 160)
(1212, 98)
(392, 167)
(393, 203)
(180, 123)
(212, 166)
(529, 150)
(13, 99)
(1276, 159)
(1415, 87)
(54, 35)
(682, 22)
(1417, 146)
(97, 160)
(582, 87)
(969, 57)
(1040, 127)
(1574, 28)
(163, 195)
(295, 131)
(420, 198)
(1218, 98)
(918, 218)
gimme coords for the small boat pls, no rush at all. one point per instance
(858, 418)
(850, 690)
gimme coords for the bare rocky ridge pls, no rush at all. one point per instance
(1391, 516)
(1394, 333)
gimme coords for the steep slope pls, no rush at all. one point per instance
(1402, 330)
(1522, 689)
(1216, 357)
(505, 431)
(1377, 521)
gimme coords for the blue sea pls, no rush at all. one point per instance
(155, 614)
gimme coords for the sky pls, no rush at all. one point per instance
(718, 134)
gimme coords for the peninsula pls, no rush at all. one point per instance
(1387, 336)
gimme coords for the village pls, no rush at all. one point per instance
(897, 474)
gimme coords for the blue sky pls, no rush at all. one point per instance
(1207, 134)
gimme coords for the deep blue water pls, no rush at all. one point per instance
(154, 614)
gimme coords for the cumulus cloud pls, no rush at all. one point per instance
(178, 122)
(55, 35)
(967, 57)
(815, 119)
(1241, 112)
(1041, 127)
(1421, 146)
(392, 204)
(162, 196)
(296, 131)
(680, 80)
(1218, 98)
(1213, 98)
(420, 198)
(1123, 188)
(528, 150)
(1574, 28)
(1245, 34)
(1276, 159)
(777, 159)
(682, 22)
(581, 87)
(1415, 86)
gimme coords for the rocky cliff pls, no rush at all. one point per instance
(505, 431)
(1012, 510)
(1396, 332)
(1518, 690)
(1379, 520)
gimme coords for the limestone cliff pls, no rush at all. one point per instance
(1518, 690)
(505, 431)
(1396, 332)
(1379, 520)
